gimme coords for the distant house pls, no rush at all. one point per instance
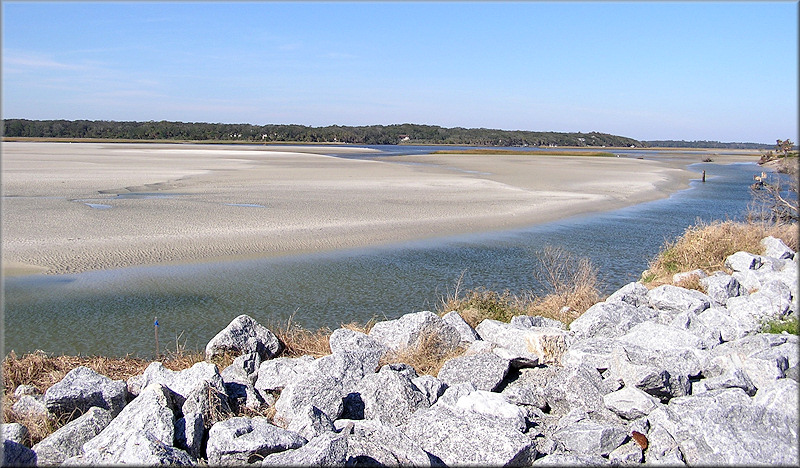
(404, 138)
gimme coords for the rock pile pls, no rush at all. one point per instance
(665, 376)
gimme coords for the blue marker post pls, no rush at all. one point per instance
(156, 326)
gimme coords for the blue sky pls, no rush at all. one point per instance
(724, 71)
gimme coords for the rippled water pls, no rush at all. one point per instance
(111, 312)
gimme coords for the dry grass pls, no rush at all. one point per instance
(571, 283)
(707, 245)
(426, 357)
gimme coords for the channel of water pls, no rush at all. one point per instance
(111, 312)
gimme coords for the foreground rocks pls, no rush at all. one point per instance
(661, 376)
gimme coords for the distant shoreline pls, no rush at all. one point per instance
(73, 208)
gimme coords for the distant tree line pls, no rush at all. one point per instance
(704, 144)
(364, 135)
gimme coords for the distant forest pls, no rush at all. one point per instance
(363, 135)
(705, 144)
(366, 135)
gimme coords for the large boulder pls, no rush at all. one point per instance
(630, 403)
(775, 248)
(328, 449)
(485, 371)
(16, 454)
(720, 287)
(244, 335)
(493, 405)
(465, 331)
(241, 440)
(611, 318)
(68, 440)
(182, 382)
(387, 396)
(239, 380)
(459, 438)
(411, 330)
(317, 389)
(83, 388)
(275, 374)
(670, 300)
(14, 432)
(575, 387)
(142, 433)
(372, 443)
(743, 261)
(346, 340)
(543, 345)
(725, 427)
(590, 437)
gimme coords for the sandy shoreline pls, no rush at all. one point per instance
(90, 206)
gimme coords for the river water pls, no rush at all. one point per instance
(111, 312)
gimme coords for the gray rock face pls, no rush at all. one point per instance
(14, 432)
(590, 437)
(430, 386)
(775, 248)
(485, 371)
(31, 406)
(244, 335)
(530, 321)
(311, 422)
(671, 300)
(183, 382)
(459, 440)
(376, 444)
(346, 340)
(241, 440)
(328, 449)
(16, 454)
(239, 380)
(720, 287)
(83, 388)
(493, 405)
(743, 261)
(610, 319)
(320, 390)
(630, 403)
(634, 293)
(389, 397)
(467, 333)
(275, 374)
(571, 459)
(574, 387)
(68, 441)
(141, 434)
(725, 427)
(410, 329)
(526, 386)
(524, 342)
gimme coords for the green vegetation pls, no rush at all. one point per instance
(702, 144)
(602, 154)
(790, 325)
(364, 135)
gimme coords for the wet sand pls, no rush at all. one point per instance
(89, 206)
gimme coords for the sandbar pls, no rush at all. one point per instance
(74, 207)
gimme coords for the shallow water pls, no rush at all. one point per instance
(111, 312)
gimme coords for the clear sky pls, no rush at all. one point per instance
(724, 71)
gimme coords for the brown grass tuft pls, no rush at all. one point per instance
(707, 245)
(426, 357)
